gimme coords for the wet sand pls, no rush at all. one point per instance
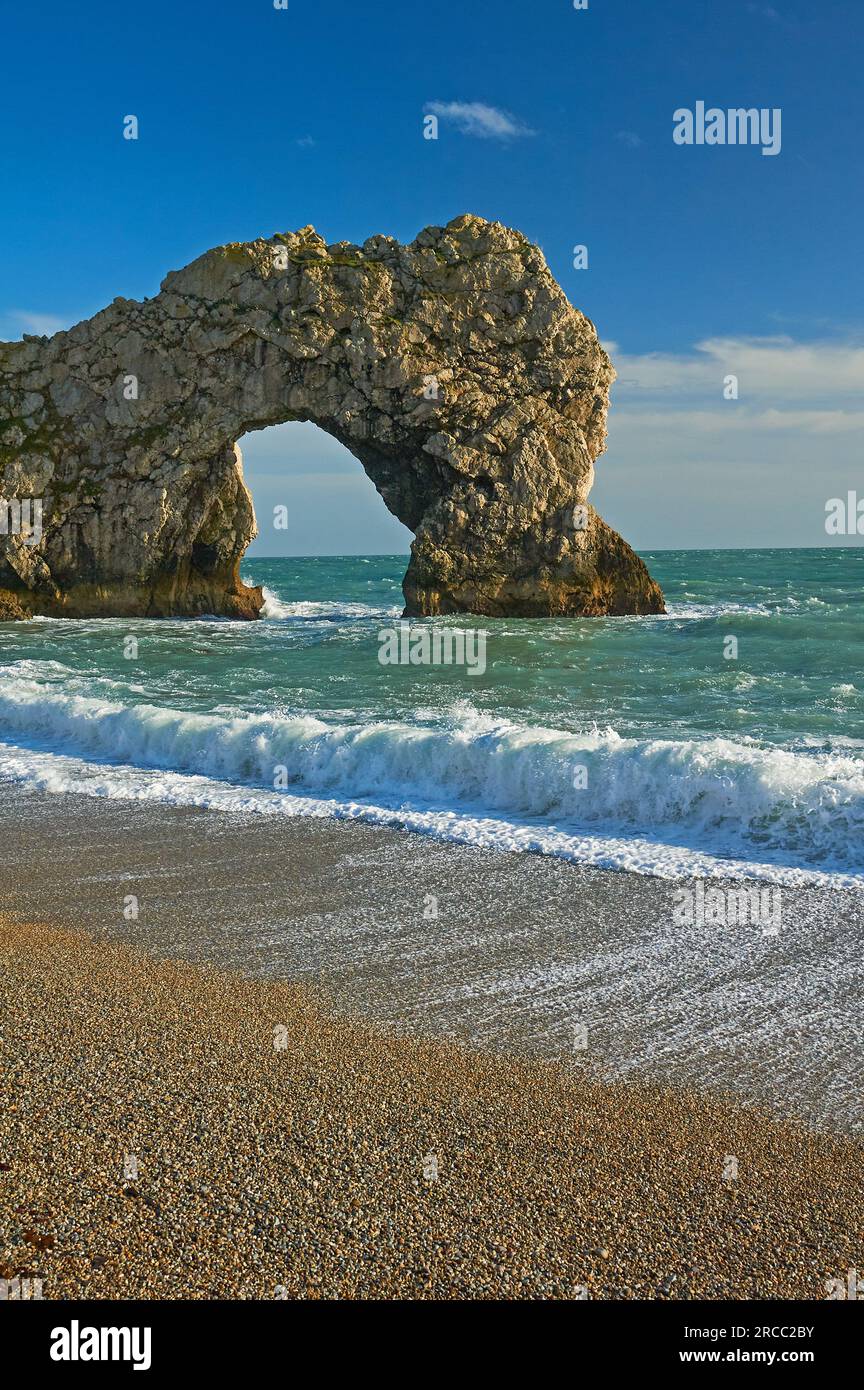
(273, 1150)
(506, 952)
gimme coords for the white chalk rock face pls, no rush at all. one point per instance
(472, 392)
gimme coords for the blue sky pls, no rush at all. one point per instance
(702, 261)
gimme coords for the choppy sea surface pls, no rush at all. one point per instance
(629, 743)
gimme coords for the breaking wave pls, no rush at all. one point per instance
(651, 804)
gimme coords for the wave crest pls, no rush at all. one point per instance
(725, 797)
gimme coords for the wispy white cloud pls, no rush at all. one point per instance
(771, 371)
(29, 322)
(765, 12)
(476, 118)
(733, 418)
(790, 22)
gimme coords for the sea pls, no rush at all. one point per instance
(723, 738)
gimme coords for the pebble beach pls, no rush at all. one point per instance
(171, 1130)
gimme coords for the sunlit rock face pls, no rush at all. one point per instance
(474, 395)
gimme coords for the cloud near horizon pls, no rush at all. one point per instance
(685, 467)
(770, 371)
(476, 118)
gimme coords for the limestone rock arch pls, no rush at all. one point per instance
(472, 392)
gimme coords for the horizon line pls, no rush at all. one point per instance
(640, 550)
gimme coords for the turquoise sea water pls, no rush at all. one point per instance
(630, 742)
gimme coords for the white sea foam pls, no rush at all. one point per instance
(654, 805)
(700, 611)
(275, 609)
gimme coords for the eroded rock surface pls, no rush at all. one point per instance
(472, 392)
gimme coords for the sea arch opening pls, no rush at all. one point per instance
(312, 496)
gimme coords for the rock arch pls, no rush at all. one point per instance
(471, 391)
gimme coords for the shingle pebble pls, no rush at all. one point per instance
(155, 1142)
